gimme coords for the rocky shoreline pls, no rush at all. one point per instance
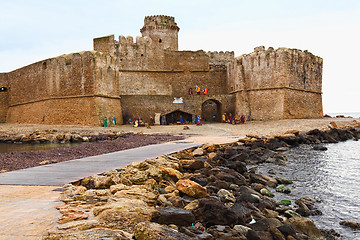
(201, 193)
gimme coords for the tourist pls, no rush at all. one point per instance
(105, 122)
(198, 91)
(224, 118)
(182, 120)
(242, 119)
(198, 120)
(152, 122)
(230, 118)
(114, 121)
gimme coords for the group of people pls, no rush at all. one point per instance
(140, 123)
(239, 119)
(109, 123)
(198, 91)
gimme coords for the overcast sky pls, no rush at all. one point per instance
(38, 29)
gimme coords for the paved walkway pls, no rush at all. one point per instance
(27, 199)
(69, 171)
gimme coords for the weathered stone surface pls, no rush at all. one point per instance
(226, 196)
(307, 227)
(350, 224)
(71, 213)
(147, 230)
(177, 216)
(191, 188)
(214, 212)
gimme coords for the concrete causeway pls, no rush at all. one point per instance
(69, 171)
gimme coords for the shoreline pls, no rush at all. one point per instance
(191, 191)
(95, 139)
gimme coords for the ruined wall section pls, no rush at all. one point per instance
(262, 82)
(4, 96)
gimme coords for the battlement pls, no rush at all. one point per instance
(219, 60)
(158, 22)
(221, 56)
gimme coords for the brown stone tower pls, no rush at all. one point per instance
(162, 30)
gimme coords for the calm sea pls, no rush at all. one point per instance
(351, 114)
(333, 176)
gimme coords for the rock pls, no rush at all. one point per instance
(177, 216)
(137, 192)
(191, 188)
(270, 213)
(198, 152)
(283, 189)
(287, 230)
(231, 176)
(263, 179)
(192, 205)
(266, 192)
(212, 155)
(350, 224)
(320, 148)
(3, 171)
(147, 230)
(306, 206)
(102, 181)
(248, 198)
(242, 229)
(333, 125)
(226, 196)
(213, 212)
(192, 164)
(45, 162)
(118, 187)
(292, 214)
(71, 213)
(85, 139)
(171, 172)
(242, 212)
(307, 227)
(331, 234)
(264, 224)
(283, 180)
(282, 149)
(225, 232)
(92, 234)
(83, 224)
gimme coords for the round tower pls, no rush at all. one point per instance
(162, 30)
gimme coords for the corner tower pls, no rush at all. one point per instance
(162, 30)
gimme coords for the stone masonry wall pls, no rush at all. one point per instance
(264, 80)
(4, 97)
(60, 90)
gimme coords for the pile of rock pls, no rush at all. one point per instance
(53, 136)
(200, 193)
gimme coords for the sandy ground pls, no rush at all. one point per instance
(29, 213)
(215, 132)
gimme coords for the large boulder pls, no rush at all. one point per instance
(177, 216)
(213, 212)
(306, 226)
(191, 188)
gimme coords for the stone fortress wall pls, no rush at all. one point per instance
(128, 79)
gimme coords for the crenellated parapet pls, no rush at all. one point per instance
(219, 60)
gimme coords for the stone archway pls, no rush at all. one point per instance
(211, 111)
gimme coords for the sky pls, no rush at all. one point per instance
(31, 31)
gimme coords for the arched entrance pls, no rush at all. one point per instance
(174, 117)
(211, 111)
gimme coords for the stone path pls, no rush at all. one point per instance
(27, 199)
(70, 171)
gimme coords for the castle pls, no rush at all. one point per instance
(127, 80)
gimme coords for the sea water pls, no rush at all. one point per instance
(332, 176)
